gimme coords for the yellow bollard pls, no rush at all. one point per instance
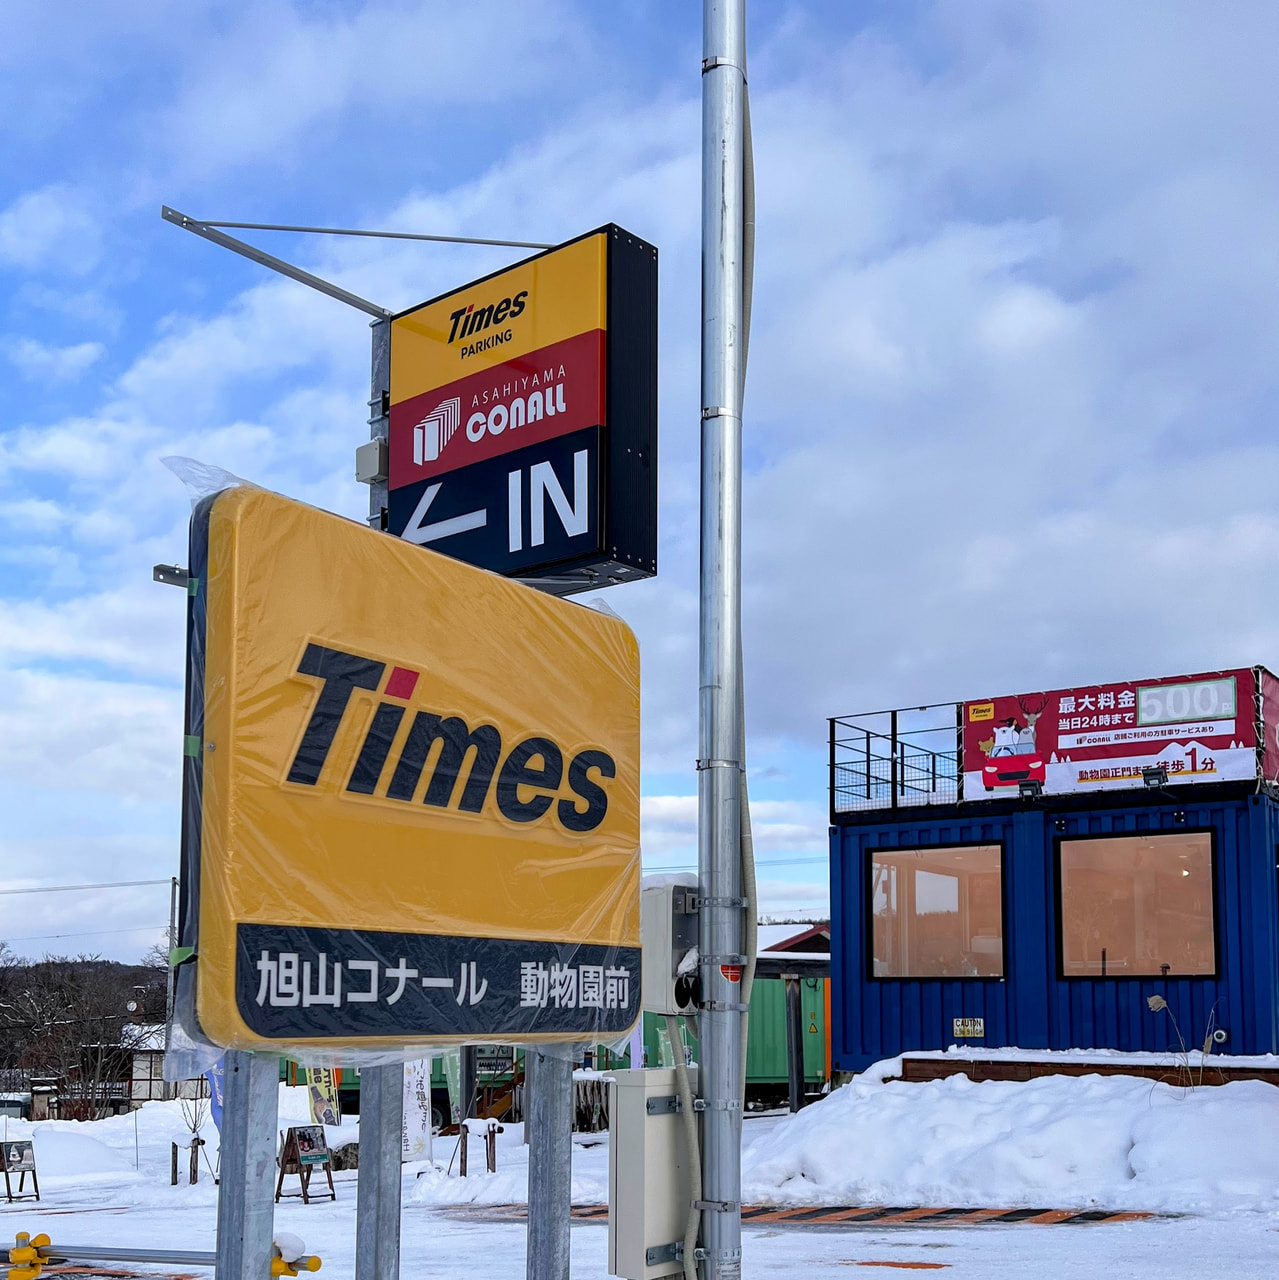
(25, 1254)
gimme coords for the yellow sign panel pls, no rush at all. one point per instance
(981, 711)
(533, 305)
(412, 794)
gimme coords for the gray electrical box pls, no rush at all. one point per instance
(648, 1184)
(668, 935)
(370, 462)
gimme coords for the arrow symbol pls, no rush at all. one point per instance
(416, 531)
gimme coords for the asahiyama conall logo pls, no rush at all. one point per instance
(509, 408)
(536, 764)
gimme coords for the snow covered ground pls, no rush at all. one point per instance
(1107, 1141)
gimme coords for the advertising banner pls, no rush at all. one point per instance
(415, 1129)
(411, 799)
(1200, 728)
(489, 385)
(322, 1093)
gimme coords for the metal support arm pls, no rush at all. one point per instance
(206, 230)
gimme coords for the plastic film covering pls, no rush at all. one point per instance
(410, 801)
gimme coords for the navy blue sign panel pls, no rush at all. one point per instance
(535, 507)
(304, 983)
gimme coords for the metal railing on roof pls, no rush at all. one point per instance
(896, 759)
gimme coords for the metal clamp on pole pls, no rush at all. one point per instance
(718, 902)
(709, 64)
(720, 764)
(717, 1206)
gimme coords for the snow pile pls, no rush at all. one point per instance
(1114, 1142)
(61, 1154)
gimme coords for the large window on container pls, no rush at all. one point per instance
(937, 912)
(1138, 906)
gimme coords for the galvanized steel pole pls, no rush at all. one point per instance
(377, 1192)
(246, 1188)
(720, 718)
(173, 942)
(548, 1115)
(377, 1196)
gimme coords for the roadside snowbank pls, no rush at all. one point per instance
(151, 1128)
(1113, 1142)
(74, 1156)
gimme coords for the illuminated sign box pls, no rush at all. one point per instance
(523, 417)
(411, 805)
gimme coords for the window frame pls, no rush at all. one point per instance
(1060, 905)
(868, 910)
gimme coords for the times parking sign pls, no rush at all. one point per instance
(523, 417)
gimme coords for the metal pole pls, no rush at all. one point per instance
(246, 1211)
(719, 720)
(379, 413)
(173, 942)
(468, 1078)
(270, 260)
(794, 1042)
(377, 1201)
(549, 1109)
(892, 755)
(377, 1195)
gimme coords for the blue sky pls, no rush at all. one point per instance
(1011, 405)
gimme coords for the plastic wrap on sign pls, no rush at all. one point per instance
(410, 801)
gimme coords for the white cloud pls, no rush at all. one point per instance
(49, 227)
(79, 733)
(668, 827)
(283, 71)
(38, 360)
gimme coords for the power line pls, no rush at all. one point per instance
(93, 933)
(72, 888)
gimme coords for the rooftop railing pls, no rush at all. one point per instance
(896, 759)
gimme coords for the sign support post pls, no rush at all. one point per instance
(379, 411)
(720, 762)
(549, 1111)
(377, 1206)
(246, 1208)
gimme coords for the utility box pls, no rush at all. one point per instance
(648, 1173)
(668, 935)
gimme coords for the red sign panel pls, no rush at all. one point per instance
(1201, 728)
(1269, 687)
(550, 392)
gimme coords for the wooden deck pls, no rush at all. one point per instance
(915, 1069)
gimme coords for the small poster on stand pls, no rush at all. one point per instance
(19, 1160)
(305, 1150)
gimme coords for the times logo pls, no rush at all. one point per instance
(526, 781)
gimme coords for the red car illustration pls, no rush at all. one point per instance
(1013, 758)
(1008, 770)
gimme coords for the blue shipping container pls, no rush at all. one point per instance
(1034, 1005)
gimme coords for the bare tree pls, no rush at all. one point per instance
(79, 1020)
